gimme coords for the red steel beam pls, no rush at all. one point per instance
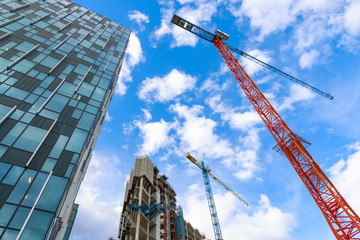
(343, 221)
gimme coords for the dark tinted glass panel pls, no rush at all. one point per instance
(48, 165)
(77, 141)
(59, 146)
(10, 235)
(4, 110)
(51, 196)
(6, 213)
(37, 226)
(21, 187)
(13, 175)
(30, 139)
(35, 189)
(86, 121)
(19, 217)
(4, 167)
(14, 133)
(57, 103)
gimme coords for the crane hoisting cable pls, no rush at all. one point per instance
(206, 172)
(210, 37)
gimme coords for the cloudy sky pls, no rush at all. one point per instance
(175, 95)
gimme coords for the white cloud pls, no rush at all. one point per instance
(251, 67)
(100, 198)
(133, 57)
(197, 133)
(352, 17)
(139, 18)
(147, 114)
(197, 12)
(314, 23)
(244, 160)
(266, 15)
(155, 135)
(262, 221)
(307, 59)
(166, 88)
(169, 170)
(267, 222)
(186, 1)
(108, 118)
(165, 27)
(244, 120)
(297, 94)
(215, 82)
(312, 31)
(345, 176)
(246, 157)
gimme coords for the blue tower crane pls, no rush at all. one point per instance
(210, 197)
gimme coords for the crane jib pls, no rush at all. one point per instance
(198, 31)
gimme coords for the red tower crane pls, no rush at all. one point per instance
(343, 221)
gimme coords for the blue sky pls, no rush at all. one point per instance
(175, 95)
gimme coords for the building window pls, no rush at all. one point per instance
(37, 226)
(17, 93)
(48, 165)
(57, 103)
(2, 151)
(86, 89)
(32, 194)
(59, 147)
(21, 187)
(6, 213)
(24, 66)
(4, 167)
(86, 121)
(98, 94)
(77, 141)
(67, 89)
(19, 218)
(13, 134)
(51, 196)
(13, 175)
(30, 139)
(10, 234)
(69, 170)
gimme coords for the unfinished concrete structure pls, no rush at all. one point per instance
(192, 233)
(149, 209)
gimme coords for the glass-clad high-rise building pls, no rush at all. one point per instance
(59, 63)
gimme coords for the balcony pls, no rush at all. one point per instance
(152, 236)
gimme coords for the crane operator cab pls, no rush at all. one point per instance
(221, 35)
(180, 22)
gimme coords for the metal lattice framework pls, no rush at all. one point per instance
(343, 221)
(198, 31)
(210, 199)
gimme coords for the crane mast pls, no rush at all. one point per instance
(212, 208)
(342, 219)
(210, 197)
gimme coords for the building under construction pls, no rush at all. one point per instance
(149, 210)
